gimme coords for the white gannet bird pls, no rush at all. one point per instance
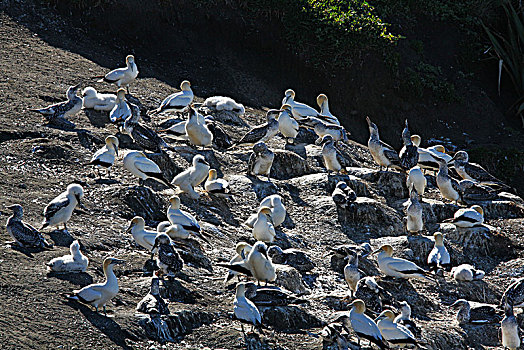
(197, 132)
(168, 259)
(468, 217)
(24, 234)
(416, 179)
(142, 237)
(414, 222)
(352, 273)
(474, 172)
(510, 329)
(177, 102)
(177, 216)
(363, 325)
(105, 156)
(242, 250)
(426, 156)
(178, 130)
(394, 333)
(322, 129)
(323, 104)
(261, 133)
(144, 168)
(263, 229)
(449, 187)
(121, 110)
(60, 209)
(223, 103)
(439, 255)
(398, 267)
(257, 264)
(63, 109)
(122, 76)
(343, 195)
(244, 309)
(278, 210)
(467, 272)
(192, 176)
(287, 125)
(408, 156)
(333, 159)
(383, 154)
(405, 319)
(260, 161)
(215, 186)
(98, 294)
(75, 262)
(300, 110)
(91, 99)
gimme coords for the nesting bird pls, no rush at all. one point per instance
(177, 216)
(223, 103)
(468, 217)
(91, 99)
(408, 154)
(261, 133)
(24, 234)
(287, 125)
(142, 135)
(98, 294)
(122, 76)
(60, 209)
(371, 293)
(177, 102)
(121, 111)
(144, 238)
(105, 156)
(263, 229)
(343, 195)
(439, 255)
(260, 161)
(192, 176)
(322, 101)
(383, 154)
(215, 186)
(414, 222)
(168, 259)
(398, 267)
(197, 131)
(394, 333)
(333, 159)
(63, 109)
(75, 262)
(514, 294)
(417, 180)
(478, 314)
(144, 168)
(278, 210)
(466, 272)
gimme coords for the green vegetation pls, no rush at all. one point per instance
(509, 49)
(425, 78)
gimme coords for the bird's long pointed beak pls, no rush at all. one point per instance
(80, 204)
(128, 229)
(116, 150)
(376, 251)
(118, 261)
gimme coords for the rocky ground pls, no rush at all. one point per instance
(38, 162)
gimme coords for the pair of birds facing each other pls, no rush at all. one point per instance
(57, 212)
(302, 110)
(257, 264)
(278, 210)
